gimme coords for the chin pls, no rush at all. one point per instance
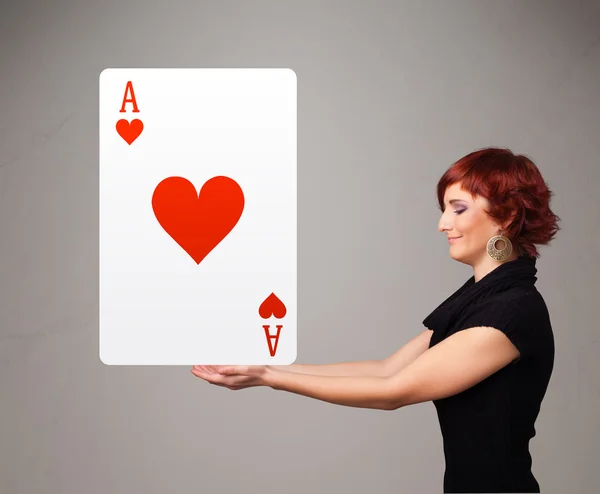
(456, 257)
(460, 257)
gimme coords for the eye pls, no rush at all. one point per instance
(459, 211)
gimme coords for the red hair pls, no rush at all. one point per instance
(514, 187)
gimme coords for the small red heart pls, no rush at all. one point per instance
(129, 131)
(272, 306)
(198, 222)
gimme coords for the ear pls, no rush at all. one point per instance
(505, 225)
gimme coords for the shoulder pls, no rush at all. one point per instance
(505, 310)
(521, 299)
(519, 313)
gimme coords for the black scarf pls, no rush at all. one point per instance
(511, 274)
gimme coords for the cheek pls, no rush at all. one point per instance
(464, 224)
(470, 229)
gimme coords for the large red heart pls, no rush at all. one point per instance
(129, 131)
(198, 222)
(272, 306)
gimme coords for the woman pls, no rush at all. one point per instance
(487, 353)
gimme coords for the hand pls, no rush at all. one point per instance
(233, 377)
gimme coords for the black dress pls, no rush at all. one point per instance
(486, 429)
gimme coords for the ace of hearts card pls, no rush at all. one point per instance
(198, 228)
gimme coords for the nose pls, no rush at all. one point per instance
(444, 224)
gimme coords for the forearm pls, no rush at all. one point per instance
(365, 368)
(353, 391)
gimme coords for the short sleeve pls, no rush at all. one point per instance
(508, 316)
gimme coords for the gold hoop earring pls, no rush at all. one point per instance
(499, 254)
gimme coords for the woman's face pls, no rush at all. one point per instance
(465, 219)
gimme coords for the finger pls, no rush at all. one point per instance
(199, 373)
(211, 378)
(211, 369)
(234, 370)
(223, 370)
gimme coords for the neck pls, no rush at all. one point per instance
(486, 265)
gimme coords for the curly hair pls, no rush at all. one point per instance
(515, 189)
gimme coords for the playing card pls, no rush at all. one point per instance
(198, 216)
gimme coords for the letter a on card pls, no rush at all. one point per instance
(129, 130)
(198, 216)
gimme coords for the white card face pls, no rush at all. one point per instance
(198, 216)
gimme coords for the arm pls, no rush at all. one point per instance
(450, 367)
(408, 353)
(372, 368)
(367, 368)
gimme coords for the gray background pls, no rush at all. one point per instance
(390, 94)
